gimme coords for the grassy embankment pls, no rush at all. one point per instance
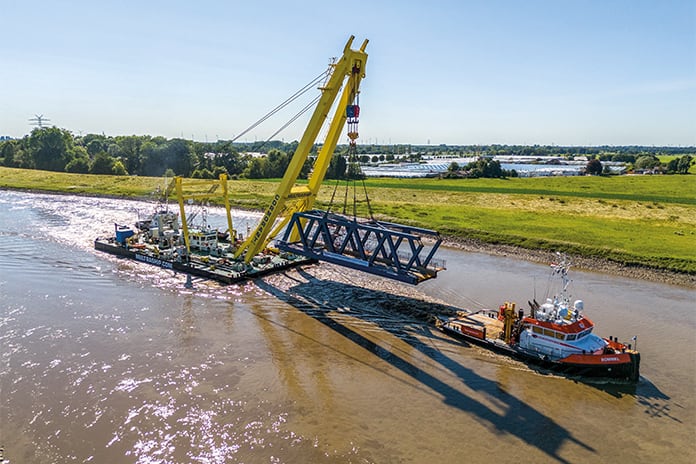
(634, 220)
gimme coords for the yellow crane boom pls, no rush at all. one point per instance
(291, 198)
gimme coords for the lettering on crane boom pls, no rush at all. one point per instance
(266, 217)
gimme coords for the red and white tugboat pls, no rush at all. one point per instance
(555, 335)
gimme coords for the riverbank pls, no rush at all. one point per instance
(592, 264)
(477, 246)
(579, 262)
(642, 227)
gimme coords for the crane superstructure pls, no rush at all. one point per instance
(346, 73)
(395, 251)
(391, 250)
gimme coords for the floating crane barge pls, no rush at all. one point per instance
(219, 267)
(380, 248)
(167, 240)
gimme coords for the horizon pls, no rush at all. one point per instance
(393, 144)
(457, 145)
(594, 74)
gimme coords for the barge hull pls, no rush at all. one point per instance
(220, 274)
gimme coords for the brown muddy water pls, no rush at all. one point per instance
(109, 361)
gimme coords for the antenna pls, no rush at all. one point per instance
(38, 120)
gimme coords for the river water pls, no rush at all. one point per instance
(108, 360)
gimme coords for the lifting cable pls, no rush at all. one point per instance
(294, 118)
(290, 99)
(353, 177)
(333, 195)
(351, 160)
(290, 121)
(345, 199)
(367, 199)
(352, 174)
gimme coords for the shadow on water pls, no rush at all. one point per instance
(657, 404)
(519, 419)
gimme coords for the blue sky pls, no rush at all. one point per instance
(617, 72)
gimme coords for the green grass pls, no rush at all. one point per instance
(649, 242)
(246, 193)
(672, 189)
(636, 220)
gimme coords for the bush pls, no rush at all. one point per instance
(594, 167)
(78, 166)
(118, 169)
(484, 167)
(202, 174)
(647, 162)
(217, 171)
(102, 164)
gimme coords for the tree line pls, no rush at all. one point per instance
(56, 149)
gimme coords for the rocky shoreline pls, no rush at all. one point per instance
(579, 262)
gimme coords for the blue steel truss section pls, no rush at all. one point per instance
(381, 248)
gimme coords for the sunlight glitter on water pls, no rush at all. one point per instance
(211, 428)
(92, 217)
(105, 360)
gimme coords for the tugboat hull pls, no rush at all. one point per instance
(618, 366)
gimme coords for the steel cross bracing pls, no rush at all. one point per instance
(380, 248)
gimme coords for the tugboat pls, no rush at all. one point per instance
(554, 335)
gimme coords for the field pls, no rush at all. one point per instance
(645, 220)
(635, 220)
